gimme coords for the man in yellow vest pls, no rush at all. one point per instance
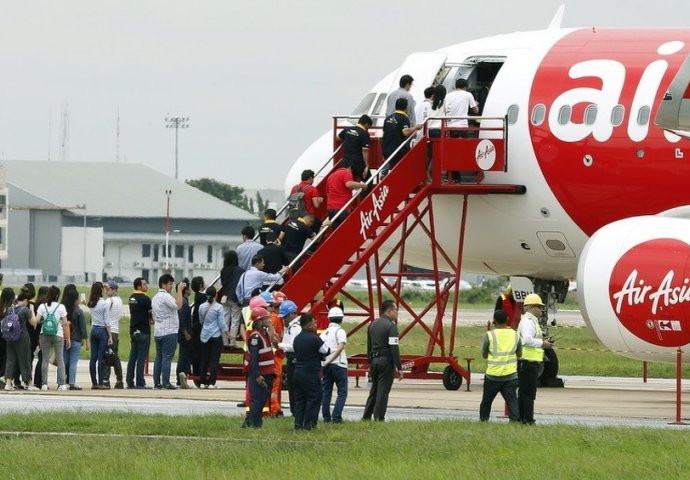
(533, 345)
(501, 347)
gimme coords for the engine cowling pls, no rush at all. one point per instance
(633, 283)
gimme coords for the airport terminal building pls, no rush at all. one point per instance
(75, 222)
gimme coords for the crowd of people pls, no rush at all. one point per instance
(51, 329)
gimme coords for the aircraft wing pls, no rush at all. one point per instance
(674, 112)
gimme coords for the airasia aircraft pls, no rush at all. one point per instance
(607, 196)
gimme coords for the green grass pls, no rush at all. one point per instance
(215, 447)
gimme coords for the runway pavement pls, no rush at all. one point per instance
(584, 400)
(591, 401)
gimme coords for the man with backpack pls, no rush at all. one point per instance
(304, 199)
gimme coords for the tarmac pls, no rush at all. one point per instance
(593, 401)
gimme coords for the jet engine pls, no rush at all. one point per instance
(633, 283)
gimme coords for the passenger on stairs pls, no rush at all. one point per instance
(313, 202)
(356, 147)
(339, 187)
(297, 232)
(396, 129)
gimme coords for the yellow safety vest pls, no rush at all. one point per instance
(532, 354)
(502, 360)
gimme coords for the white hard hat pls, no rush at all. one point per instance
(336, 312)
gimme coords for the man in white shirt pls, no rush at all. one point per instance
(403, 92)
(166, 324)
(248, 248)
(459, 103)
(334, 367)
(114, 307)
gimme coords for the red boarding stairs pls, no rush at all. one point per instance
(394, 207)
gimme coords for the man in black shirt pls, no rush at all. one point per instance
(296, 234)
(139, 332)
(396, 129)
(356, 147)
(384, 356)
(274, 254)
(309, 351)
(269, 225)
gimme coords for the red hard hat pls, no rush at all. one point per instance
(259, 312)
(279, 297)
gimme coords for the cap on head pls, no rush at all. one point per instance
(267, 296)
(533, 299)
(257, 302)
(500, 316)
(259, 313)
(286, 308)
(112, 284)
(279, 297)
(336, 312)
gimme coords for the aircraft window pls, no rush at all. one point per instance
(380, 102)
(591, 114)
(365, 104)
(643, 115)
(617, 115)
(538, 114)
(513, 111)
(564, 114)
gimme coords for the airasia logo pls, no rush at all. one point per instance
(485, 154)
(650, 292)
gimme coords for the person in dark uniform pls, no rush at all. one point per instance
(297, 232)
(270, 225)
(396, 129)
(384, 357)
(356, 147)
(309, 351)
(258, 362)
(274, 254)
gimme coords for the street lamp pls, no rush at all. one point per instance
(176, 123)
(83, 208)
(167, 229)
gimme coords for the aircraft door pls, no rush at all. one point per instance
(674, 111)
(424, 67)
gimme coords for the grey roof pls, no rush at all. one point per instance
(115, 190)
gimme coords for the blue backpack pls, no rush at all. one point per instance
(10, 326)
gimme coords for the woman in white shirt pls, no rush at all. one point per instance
(58, 341)
(100, 336)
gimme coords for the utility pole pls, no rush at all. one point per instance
(167, 230)
(176, 123)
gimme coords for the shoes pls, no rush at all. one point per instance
(241, 404)
(158, 387)
(19, 387)
(107, 384)
(280, 414)
(62, 388)
(32, 388)
(182, 378)
(44, 388)
(9, 387)
(74, 387)
(119, 386)
(170, 386)
(130, 386)
(213, 387)
(197, 383)
(3, 382)
(100, 386)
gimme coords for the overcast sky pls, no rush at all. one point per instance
(258, 79)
